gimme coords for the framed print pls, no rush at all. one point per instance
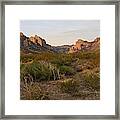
(59, 60)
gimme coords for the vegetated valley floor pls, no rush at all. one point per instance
(60, 76)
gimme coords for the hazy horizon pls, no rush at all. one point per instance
(61, 32)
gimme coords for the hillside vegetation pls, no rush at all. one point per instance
(55, 76)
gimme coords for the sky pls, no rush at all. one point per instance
(61, 32)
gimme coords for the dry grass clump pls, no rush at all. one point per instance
(69, 85)
(92, 79)
(33, 92)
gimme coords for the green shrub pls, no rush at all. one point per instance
(39, 71)
(69, 86)
(86, 55)
(67, 70)
(62, 59)
(93, 79)
(27, 58)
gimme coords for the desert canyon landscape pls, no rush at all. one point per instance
(65, 72)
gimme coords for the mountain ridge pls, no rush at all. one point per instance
(37, 44)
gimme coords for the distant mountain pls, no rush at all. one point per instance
(62, 49)
(36, 44)
(85, 45)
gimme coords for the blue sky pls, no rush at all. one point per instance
(61, 32)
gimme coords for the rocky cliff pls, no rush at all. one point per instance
(85, 45)
(33, 44)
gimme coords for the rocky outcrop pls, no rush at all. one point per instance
(85, 45)
(33, 39)
(32, 44)
(24, 41)
(37, 40)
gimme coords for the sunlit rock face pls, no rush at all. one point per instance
(85, 45)
(37, 40)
